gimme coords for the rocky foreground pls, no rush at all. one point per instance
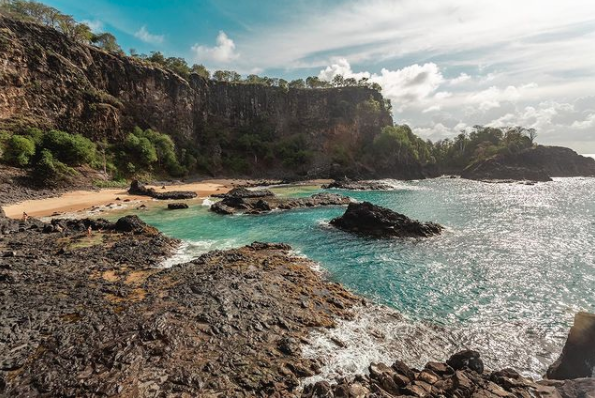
(92, 316)
(242, 200)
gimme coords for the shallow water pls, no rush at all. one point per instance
(513, 267)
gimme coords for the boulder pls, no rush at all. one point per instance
(177, 206)
(578, 355)
(466, 359)
(265, 204)
(368, 219)
(132, 224)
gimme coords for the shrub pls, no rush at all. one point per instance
(72, 149)
(48, 170)
(19, 151)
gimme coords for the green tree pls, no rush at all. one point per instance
(72, 149)
(107, 42)
(297, 83)
(201, 71)
(19, 151)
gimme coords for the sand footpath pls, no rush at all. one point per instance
(76, 201)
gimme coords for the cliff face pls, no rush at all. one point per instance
(46, 80)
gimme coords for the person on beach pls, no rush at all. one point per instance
(25, 217)
(89, 231)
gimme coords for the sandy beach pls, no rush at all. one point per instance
(76, 201)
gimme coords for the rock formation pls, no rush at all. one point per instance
(578, 355)
(352, 185)
(465, 379)
(540, 163)
(368, 219)
(177, 206)
(264, 204)
(137, 188)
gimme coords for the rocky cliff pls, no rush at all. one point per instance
(47, 80)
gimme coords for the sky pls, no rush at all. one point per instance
(445, 65)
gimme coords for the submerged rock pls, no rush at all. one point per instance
(358, 185)
(137, 188)
(264, 204)
(177, 206)
(369, 219)
(578, 355)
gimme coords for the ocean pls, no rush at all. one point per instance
(515, 263)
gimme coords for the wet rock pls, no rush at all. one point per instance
(466, 359)
(177, 206)
(578, 355)
(368, 219)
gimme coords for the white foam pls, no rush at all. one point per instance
(375, 334)
(189, 250)
(402, 185)
(208, 202)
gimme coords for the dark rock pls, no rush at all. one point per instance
(133, 224)
(137, 188)
(177, 206)
(466, 359)
(243, 192)
(578, 355)
(258, 205)
(368, 219)
(352, 185)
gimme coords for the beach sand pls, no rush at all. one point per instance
(77, 201)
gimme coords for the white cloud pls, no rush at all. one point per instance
(95, 25)
(223, 52)
(144, 35)
(588, 123)
(463, 77)
(493, 96)
(340, 66)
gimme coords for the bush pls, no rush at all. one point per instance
(72, 149)
(49, 170)
(19, 151)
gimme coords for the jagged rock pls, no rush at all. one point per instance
(177, 206)
(259, 205)
(368, 219)
(466, 359)
(578, 355)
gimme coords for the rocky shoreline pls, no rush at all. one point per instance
(96, 315)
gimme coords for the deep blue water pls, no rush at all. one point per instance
(514, 266)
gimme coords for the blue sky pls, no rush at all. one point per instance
(446, 65)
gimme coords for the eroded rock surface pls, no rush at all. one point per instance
(94, 316)
(369, 219)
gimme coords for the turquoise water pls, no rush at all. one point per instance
(513, 267)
